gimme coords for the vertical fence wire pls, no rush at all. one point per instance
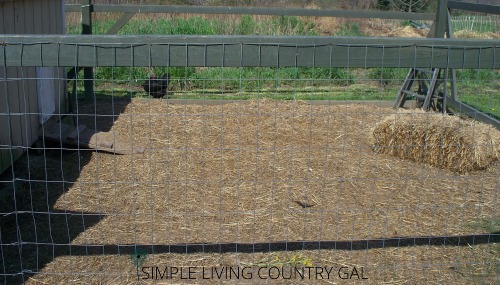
(265, 166)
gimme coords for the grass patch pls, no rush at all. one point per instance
(225, 78)
(386, 76)
(475, 23)
(479, 89)
(246, 25)
(486, 225)
(350, 30)
(352, 92)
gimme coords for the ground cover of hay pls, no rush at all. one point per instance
(238, 173)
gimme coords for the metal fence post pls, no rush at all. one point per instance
(88, 73)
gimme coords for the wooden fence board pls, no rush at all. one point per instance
(88, 51)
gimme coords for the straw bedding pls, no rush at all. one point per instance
(443, 141)
(239, 172)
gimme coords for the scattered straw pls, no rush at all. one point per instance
(218, 174)
(464, 34)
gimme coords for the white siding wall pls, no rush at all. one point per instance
(18, 86)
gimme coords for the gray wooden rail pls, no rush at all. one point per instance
(275, 51)
(123, 8)
(473, 113)
(474, 7)
(88, 73)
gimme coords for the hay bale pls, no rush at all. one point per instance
(443, 141)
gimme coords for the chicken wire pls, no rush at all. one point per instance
(476, 22)
(249, 174)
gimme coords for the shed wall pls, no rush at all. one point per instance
(19, 112)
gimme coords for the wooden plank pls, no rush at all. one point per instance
(1, 18)
(127, 40)
(15, 124)
(89, 138)
(88, 73)
(430, 90)
(86, 17)
(452, 73)
(4, 123)
(249, 51)
(474, 7)
(37, 17)
(39, 27)
(59, 17)
(401, 98)
(441, 16)
(72, 7)
(13, 99)
(59, 73)
(30, 83)
(473, 113)
(22, 95)
(225, 10)
(120, 23)
(49, 9)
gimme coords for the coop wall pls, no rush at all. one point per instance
(18, 85)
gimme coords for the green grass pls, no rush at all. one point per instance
(226, 78)
(386, 75)
(350, 30)
(478, 88)
(476, 23)
(191, 26)
(353, 92)
(486, 225)
(280, 25)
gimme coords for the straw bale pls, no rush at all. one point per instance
(444, 141)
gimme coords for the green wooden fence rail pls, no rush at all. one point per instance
(274, 51)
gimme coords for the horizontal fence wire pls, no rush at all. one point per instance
(476, 23)
(256, 160)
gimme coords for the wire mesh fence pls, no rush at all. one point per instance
(251, 163)
(476, 23)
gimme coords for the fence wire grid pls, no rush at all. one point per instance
(248, 174)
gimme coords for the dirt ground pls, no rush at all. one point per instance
(249, 183)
